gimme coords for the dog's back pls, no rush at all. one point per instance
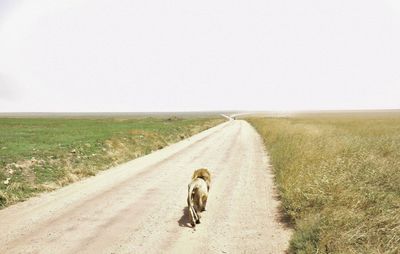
(204, 174)
(199, 194)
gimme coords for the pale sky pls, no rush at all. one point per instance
(182, 55)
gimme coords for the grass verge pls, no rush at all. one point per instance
(339, 180)
(42, 154)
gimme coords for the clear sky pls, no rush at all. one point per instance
(182, 55)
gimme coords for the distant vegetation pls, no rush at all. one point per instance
(41, 154)
(339, 180)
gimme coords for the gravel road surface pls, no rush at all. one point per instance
(140, 206)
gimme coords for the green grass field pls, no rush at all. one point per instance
(339, 180)
(42, 154)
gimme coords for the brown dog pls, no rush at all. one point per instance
(198, 194)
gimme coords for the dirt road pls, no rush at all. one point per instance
(140, 206)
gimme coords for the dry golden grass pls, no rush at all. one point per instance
(339, 180)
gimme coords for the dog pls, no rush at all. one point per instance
(197, 194)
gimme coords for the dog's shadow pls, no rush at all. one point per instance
(184, 220)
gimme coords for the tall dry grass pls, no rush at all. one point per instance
(339, 180)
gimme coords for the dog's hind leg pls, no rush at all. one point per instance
(192, 212)
(204, 203)
(196, 216)
(198, 207)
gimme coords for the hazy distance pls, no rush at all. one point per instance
(132, 56)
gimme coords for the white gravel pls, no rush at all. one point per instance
(140, 206)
